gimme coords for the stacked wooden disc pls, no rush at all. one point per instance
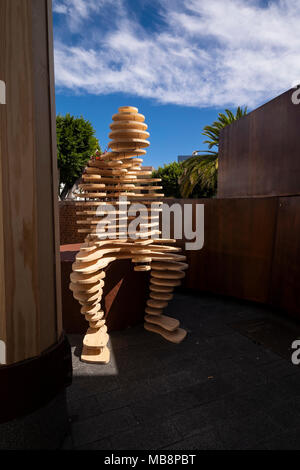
(112, 184)
(165, 276)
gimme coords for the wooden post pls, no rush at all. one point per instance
(30, 299)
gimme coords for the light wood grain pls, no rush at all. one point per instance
(30, 266)
(110, 175)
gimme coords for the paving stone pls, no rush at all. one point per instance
(208, 439)
(101, 426)
(164, 405)
(217, 389)
(264, 397)
(211, 390)
(152, 436)
(278, 369)
(67, 443)
(286, 414)
(245, 433)
(102, 444)
(289, 440)
(84, 408)
(192, 421)
(138, 390)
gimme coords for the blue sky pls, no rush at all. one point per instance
(179, 61)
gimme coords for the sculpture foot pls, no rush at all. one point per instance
(163, 321)
(96, 355)
(175, 336)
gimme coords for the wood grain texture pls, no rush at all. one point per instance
(259, 154)
(54, 176)
(29, 313)
(140, 243)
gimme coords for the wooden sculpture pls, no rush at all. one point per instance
(108, 177)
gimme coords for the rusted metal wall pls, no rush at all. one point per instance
(285, 281)
(251, 251)
(260, 153)
(124, 294)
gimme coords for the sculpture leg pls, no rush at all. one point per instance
(87, 289)
(165, 276)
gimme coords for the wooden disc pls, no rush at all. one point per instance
(90, 309)
(128, 117)
(128, 133)
(97, 323)
(163, 321)
(95, 338)
(153, 311)
(128, 125)
(141, 259)
(175, 336)
(155, 288)
(87, 278)
(88, 298)
(129, 147)
(173, 266)
(142, 268)
(97, 355)
(85, 288)
(167, 274)
(156, 303)
(128, 109)
(161, 296)
(165, 282)
(94, 316)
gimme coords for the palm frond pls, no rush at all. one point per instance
(200, 169)
(203, 169)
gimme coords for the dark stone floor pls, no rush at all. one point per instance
(216, 390)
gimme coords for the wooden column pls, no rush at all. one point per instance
(30, 299)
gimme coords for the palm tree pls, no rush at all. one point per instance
(203, 169)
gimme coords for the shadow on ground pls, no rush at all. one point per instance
(216, 390)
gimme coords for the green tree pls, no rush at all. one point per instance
(76, 142)
(203, 169)
(169, 175)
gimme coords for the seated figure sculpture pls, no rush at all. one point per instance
(114, 189)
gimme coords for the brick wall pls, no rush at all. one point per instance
(68, 226)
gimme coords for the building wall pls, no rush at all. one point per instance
(251, 250)
(259, 153)
(182, 158)
(68, 226)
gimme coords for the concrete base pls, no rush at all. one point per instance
(45, 428)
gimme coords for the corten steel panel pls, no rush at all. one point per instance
(124, 295)
(195, 272)
(238, 244)
(285, 291)
(239, 237)
(260, 153)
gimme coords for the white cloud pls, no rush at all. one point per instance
(204, 52)
(76, 11)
